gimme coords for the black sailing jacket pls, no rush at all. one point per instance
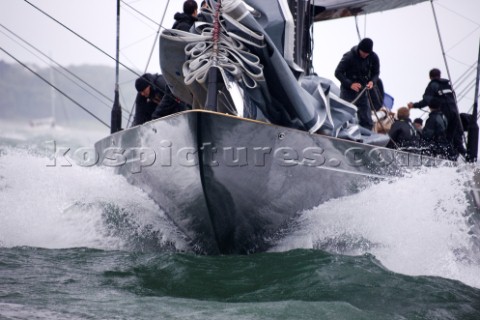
(183, 21)
(403, 134)
(144, 107)
(438, 88)
(353, 68)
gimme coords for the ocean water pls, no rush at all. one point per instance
(79, 242)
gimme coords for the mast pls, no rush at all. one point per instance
(211, 103)
(116, 116)
(441, 42)
(303, 12)
(475, 100)
(472, 143)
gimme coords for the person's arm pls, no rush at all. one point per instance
(394, 131)
(374, 70)
(341, 71)
(141, 113)
(166, 106)
(427, 96)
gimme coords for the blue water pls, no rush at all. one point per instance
(79, 242)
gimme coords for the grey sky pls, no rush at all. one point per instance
(405, 39)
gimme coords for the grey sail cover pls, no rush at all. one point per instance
(254, 51)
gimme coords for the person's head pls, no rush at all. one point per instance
(190, 8)
(418, 122)
(365, 47)
(204, 4)
(434, 73)
(143, 86)
(403, 113)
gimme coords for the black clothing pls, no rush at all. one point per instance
(434, 136)
(435, 127)
(434, 89)
(403, 135)
(183, 21)
(203, 17)
(169, 105)
(161, 101)
(377, 94)
(353, 68)
(145, 106)
(366, 45)
(143, 110)
(442, 90)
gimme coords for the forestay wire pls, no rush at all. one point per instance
(55, 87)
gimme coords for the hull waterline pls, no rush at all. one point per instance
(232, 185)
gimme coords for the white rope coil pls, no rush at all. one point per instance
(232, 56)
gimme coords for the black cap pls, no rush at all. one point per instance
(366, 45)
(141, 84)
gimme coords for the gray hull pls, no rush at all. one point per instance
(232, 185)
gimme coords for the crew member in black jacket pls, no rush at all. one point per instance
(403, 134)
(185, 20)
(359, 68)
(434, 134)
(155, 99)
(150, 91)
(441, 89)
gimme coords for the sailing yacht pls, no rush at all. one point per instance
(266, 138)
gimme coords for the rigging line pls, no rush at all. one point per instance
(65, 75)
(156, 38)
(440, 40)
(312, 41)
(131, 44)
(53, 61)
(477, 83)
(466, 90)
(78, 35)
(465, 84)
(464, 76)
(53, 86)
(365, 26)
(142, 14)
(151, 53)
(458, 14)
(471, 108)
(446, 66)
(464, 38)
(466, 87)
(372, 109)
(458, 61)
(359, 95)
(358, 30)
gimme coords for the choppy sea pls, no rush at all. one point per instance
(79, 242)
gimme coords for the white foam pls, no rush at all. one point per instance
(82, 134)
(416, 225)
(63, 207)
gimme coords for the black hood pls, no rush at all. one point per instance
(180, 16)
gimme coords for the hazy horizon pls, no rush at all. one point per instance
(405, 39)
